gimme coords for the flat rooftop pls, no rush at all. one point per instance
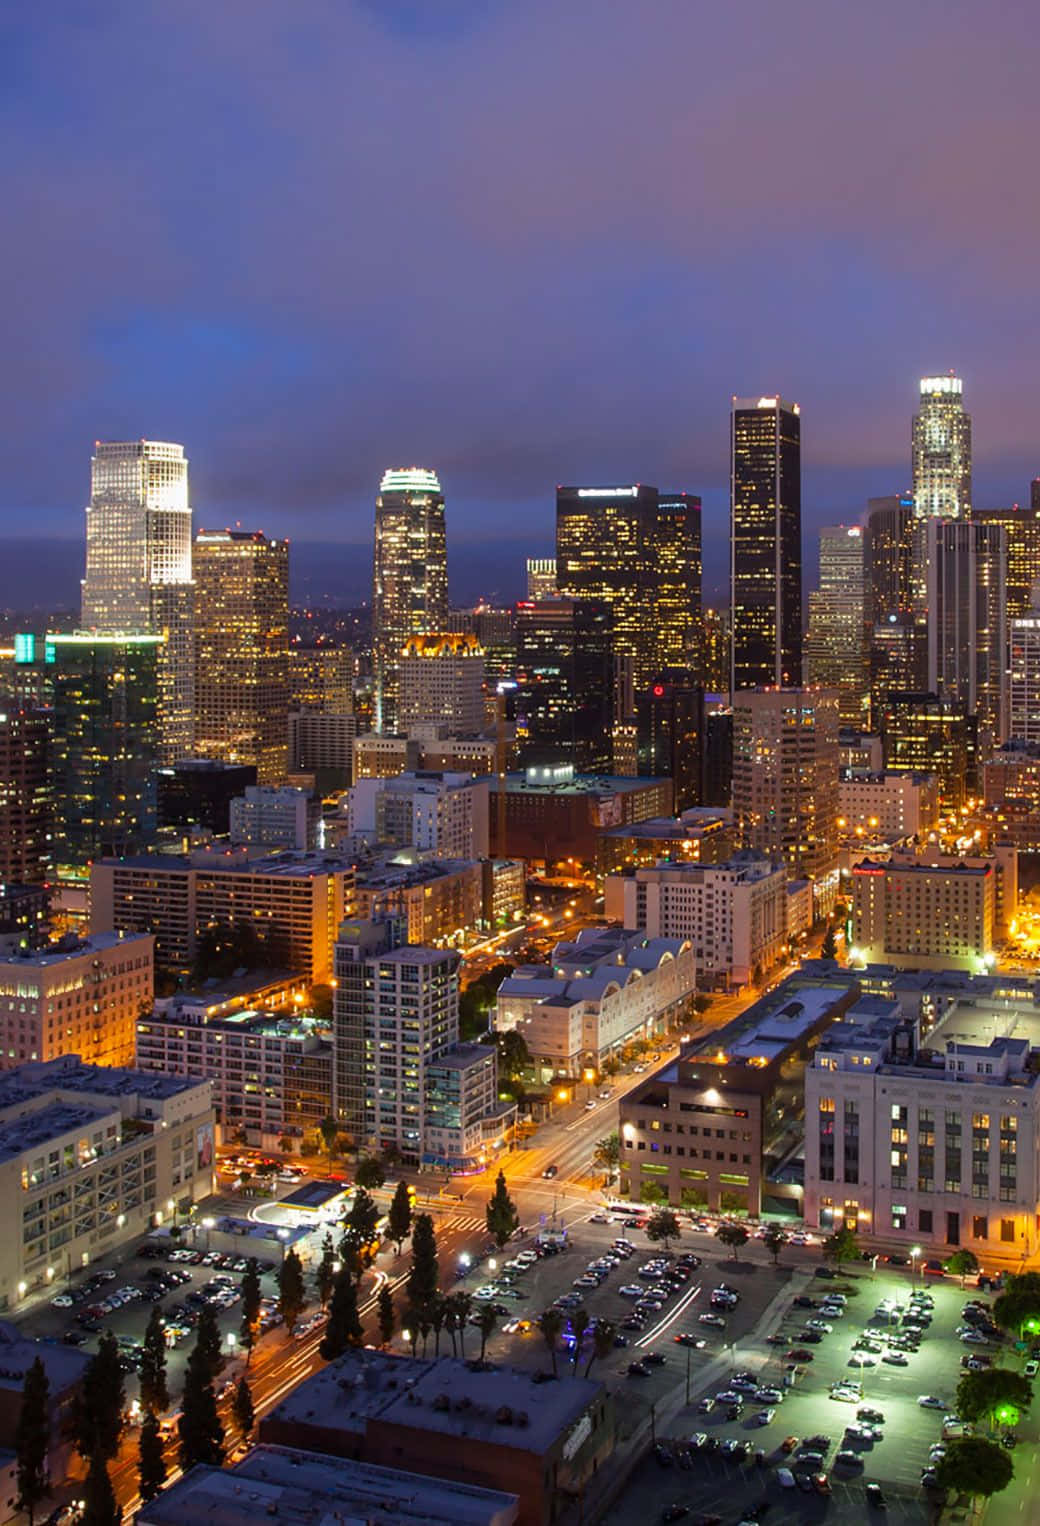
(64, 1365)
(79, 948)
(287, 866)
(580, 784)
(687, 827)
(103, 1082)
(310, 1489)
(344, 1395)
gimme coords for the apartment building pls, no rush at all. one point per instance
(443, 813)
(92, 1156)
(80, 996)
(295, 901)
(894, 805)
(438, 898)
(932, 915)
(267, 816)
(734, 914)
(931, 1141)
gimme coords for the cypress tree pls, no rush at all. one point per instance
(251, 1297)
(155, 1395)
(98, 1413)
(502, 1217)
(99, 1501)
(344, 1327)
(386, 1316)
(151, 1460)
(325, 1276)
(399, 1219)
(207, 1340)
(291, 1296)
(201, 1433)
(243, 1408)
(32, 1439)
(424, 1277)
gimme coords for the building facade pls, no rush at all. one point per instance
(733, 914)
(442, 683)
(836, 649)
(75, 997)
(1024, 678)
(565, 683)
(321, 678)
(242, 650)
(893, 804)
(410, 577)
(139, 569)
(941, 445)
(441, 813)
(927, 916)
(925, 733)
(553, 814)
(266, 817)
(26, 797)
(765, 543)
(1021, 526)
(541, 577)
(963, 577)
(437, 898)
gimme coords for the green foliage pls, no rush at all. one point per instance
(693, 1197)
(963, 1263)
(608, 1153)
(363, 1217)
(602, 1343)
(99, 1501)
(328, 1132)
(1019, 1302)
(981, 1394)
(841, 1246)
(733, 1236)
(98, 1412)
(151, 1459)
(550, 1323)
(325, 1276)
(344, 1325)
(502, 1217)
(650, 1193)
(249, 1329)
(663, 1224)
(399, 1219)
(291, 1295)
(32, 1439)
(514, 1057)
(774, 1241)
(476, 1001)
(385, 1316)
(243, 1409)
(320, 1001)
(975, 1466)
(829, 946)
(424, 1276)
(155, 1394)
(199, 1427)
(459, 1305)
(207, 1340)
(701, 1003)
(228, 946)
(369, 1172)
(580, 1321)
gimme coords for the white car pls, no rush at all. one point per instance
(929, 1401)
(631, 1290)
(62, 1301)
(527, 1257)
(605, 1096)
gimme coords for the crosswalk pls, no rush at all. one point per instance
(465, 1221)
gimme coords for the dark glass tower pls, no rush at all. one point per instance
(604, 537)
(765, 542)
(675, 565)
(565, 680)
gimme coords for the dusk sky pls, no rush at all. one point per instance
(520, 242)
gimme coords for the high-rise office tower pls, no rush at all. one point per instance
(941, 445)
(671, 738)
(836, 654)
(321, 679)
(1024, 678)
(785, 780)
(242, 650)
(442, 683)
(887, 556)
(602, 536)
(963, 622)
(564, 678)
(716, 651)
(410, 576)
(924, 733)
(139, 573)
(765, 542)
(541, 577)
(675, 553)
(105, 743)
(26, 797)
(1022, 527)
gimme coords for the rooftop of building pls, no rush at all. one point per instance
(344, 1395)
(72, 948)
(585, 969)
(744, 865)
(550, 780)
(52, 1120)
(462, 1057)
(287, 865)
(885, 776)
(288, 1025)
(309, 1489)
(693, 823)
(399, 873)
(64, 1365)
(103, 1083)
(900, 865)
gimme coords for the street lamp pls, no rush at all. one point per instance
(283, 1235)
(492, 1264)
(914, 1258)
(207, 1225)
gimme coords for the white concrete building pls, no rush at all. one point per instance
(597, 994)
(81, 996)
(92, 1156)
(890, 804)
(442, 683)
(442, 813)
(933, 1142)
(733, 914)
(269, 817)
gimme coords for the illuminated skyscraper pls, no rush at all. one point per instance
(138, 572)
(675, 554)
(105, 743)
(765, 542)
(963, 622)
(887, 556)
(410, 576)
(836, 646)
(942, 451)
(541, 577)
(564, 684)
(1022, 528)
(26, 796)
(242, 650)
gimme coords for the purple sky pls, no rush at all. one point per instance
(520, 242)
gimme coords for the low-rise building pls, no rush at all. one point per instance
(308, 1489)
(90, 1157)
(700, 835)
(269, 816)
(271, 1072)
(441, 813)
(929, 1140)
(463, 1117)
(322, 744)
(734, 913)
(493, 1429)
(505, 891)
(597, 994)
(439, 898)
(294, 900)
(381, 756)
(64, 1367)
(553, 814)
(706, 1129)
(80, 996)
(897, 805)
(933, 911)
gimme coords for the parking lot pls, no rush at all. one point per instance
(891, 1454)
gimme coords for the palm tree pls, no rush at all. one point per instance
(461, 1304)
(487, 1319)
(438, 1318)
(579, 1324)
(602, 1343)
(550, 1323)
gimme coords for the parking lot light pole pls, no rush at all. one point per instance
(915, 1256)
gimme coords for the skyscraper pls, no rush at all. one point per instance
(785, 781)
(887, 556)
(675, 554)
(603, 541)
(963, 573)
(564, 683)
(441, 683)
(410, 576)
(26, 797)
(105, 743)
(836, 646)
(941, 445)
(1024, 681)
(242, 650)
(541, 577)
(765, 542)
(1022, 528)
(138, 572)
